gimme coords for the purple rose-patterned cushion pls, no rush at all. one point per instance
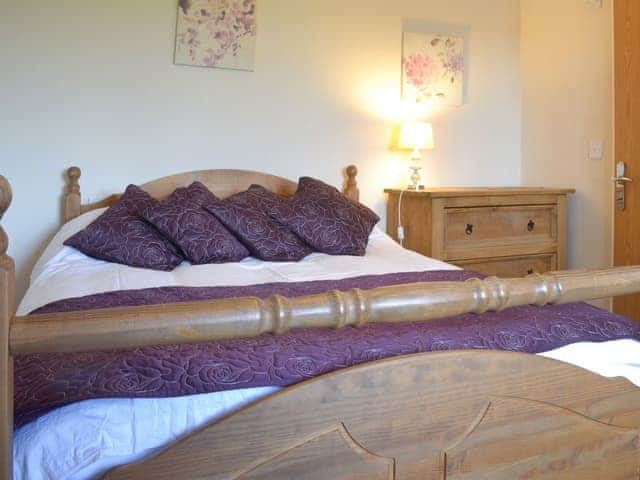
(327, 220)
(199, 235)
(120, 236)
(245, 214)
(270, 202)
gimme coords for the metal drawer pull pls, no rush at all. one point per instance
(530, 271)
(531, 225)
(469, 229)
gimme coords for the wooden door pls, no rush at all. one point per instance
(627, 133)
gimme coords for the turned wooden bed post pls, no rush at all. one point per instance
(7, 270)
(73, 198)
(351, 189)
(224, 319)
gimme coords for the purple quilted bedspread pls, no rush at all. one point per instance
(44, 382)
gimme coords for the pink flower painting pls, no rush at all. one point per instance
(433, 68)
(216, 33)
(420, 69)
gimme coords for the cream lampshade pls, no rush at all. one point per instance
(416, 136)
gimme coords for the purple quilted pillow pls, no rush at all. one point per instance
(199, 235)
(270, 201)
(327, 220)
(245, 214)
(120, 236)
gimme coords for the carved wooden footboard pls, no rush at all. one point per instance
(453, 415)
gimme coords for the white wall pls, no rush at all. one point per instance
(91, 83)
(567, 85)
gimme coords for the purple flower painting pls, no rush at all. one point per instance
(216, 33)
(433, 68)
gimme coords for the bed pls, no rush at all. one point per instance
(385, 412)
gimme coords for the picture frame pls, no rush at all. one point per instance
(216, 34)
(435, 63)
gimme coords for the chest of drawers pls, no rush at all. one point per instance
(508, 232)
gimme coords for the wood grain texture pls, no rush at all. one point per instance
(438, 228)
(338, 446)
(73, 197)
(522, 438)
(444, 192)
(481, 226)
(212, 320)
(470, 414)
(479, 232)
(351, 187)
(510, 267)
(561, 219)
(627, 147)
(7, 272)
(417, 233)
(223, 183)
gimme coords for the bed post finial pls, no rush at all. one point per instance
(73, 199)
(7, 272)
(351, 190)
(5, 201)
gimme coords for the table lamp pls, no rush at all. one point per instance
(416, 136)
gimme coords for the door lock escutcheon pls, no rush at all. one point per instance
(620, 181)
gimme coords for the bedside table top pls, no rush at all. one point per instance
(437, 192)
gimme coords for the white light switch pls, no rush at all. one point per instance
(596, 150)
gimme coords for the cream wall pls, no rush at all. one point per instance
(91, 83)
(567, 90)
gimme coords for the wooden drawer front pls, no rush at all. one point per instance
(468, 230)
(512, 266)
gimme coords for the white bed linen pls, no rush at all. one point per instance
(83, 440)
(64, 272)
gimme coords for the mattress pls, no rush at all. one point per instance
(83, 440)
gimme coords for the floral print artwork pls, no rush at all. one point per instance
(216, 33)
(433, 68)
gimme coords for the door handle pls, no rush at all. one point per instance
(620, 181)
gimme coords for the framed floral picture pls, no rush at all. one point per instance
(434, 67)
(216, 33)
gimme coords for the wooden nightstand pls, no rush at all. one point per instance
(508, 232)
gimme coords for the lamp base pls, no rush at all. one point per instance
(415, 178)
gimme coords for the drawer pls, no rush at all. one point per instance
(468, 230)
(511, 266)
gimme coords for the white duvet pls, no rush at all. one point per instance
(64, 272)
(83, 440)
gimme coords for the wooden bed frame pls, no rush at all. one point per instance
(451, 415)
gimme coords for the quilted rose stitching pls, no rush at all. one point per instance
(44, 381)
(329, 221)
(118, 235)
(201, 237)
(265, 238)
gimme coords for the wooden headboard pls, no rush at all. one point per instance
(221, 182)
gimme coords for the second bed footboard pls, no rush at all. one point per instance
(454, 415)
